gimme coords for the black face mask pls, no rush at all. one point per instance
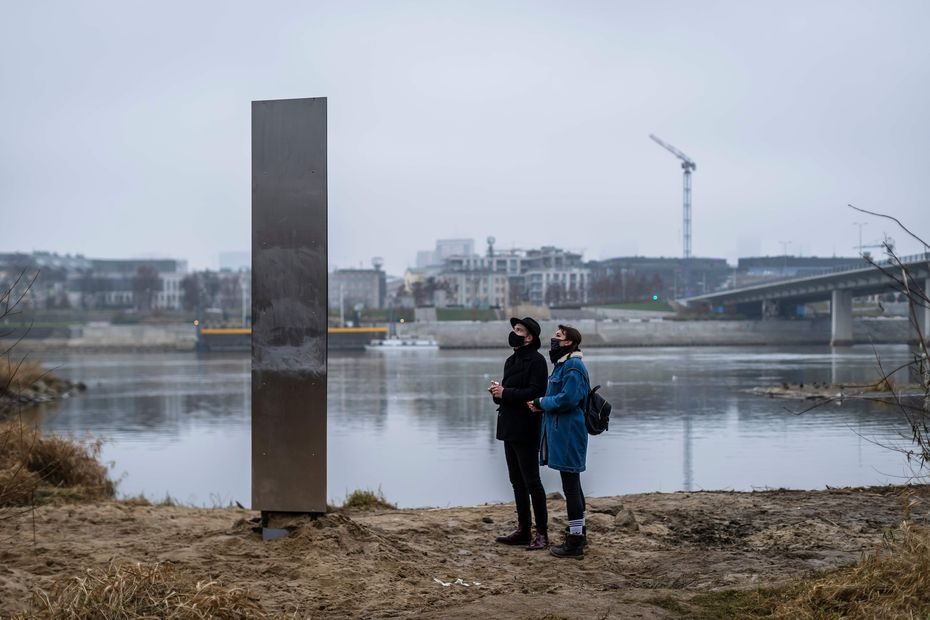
(557, 351)
(516, 340)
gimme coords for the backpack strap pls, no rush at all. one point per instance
(587, 380)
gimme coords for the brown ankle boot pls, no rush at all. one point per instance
(540, 540)
(520, 536)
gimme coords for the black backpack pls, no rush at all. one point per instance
(596, 408)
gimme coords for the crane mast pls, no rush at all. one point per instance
(687, 165)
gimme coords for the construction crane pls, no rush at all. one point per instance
(687, 164)
(887, 246)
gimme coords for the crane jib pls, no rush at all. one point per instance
(687, 164)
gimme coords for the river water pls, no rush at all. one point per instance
(420, 425)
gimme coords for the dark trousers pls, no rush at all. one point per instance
(523, 467)
(574, 496)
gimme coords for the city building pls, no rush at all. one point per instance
(140, 284)
(552, 276)
(351, 287)
(445, 248)
(548, 275)
(49, 274)
(642, 278)
(476, 289)
(66, 281)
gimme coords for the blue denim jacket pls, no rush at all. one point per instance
(563, 436)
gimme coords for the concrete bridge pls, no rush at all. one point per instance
(838, 286)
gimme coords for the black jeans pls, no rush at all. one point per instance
(574, 496)
(523, 467)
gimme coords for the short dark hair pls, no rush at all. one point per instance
(535, 343)
(572, 334)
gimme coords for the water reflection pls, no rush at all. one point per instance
(422, 427)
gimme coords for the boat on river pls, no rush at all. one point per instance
(221, 338)
(403, 343)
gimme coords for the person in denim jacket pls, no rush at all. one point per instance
(564, 437)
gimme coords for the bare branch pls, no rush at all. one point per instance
(7, 296)
(916, 414)
(893, 219)
(18, 340)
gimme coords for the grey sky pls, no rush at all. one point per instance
(126, 124)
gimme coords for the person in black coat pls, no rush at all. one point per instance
(525, 378)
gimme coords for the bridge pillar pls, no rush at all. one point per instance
(841, 314)
(770, 309)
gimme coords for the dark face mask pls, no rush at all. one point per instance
(516, 340)
(556, 350)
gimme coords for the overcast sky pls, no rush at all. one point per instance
(126, 125)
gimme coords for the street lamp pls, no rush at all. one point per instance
(784, 251)
(860, 225)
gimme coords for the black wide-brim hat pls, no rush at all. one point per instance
(529, 323)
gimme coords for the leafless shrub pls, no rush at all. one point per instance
(11, 299)
(916, 410)
(912, 400)
(36, 469)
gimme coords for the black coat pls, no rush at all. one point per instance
(525, 378)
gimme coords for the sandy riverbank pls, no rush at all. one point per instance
(387, 563)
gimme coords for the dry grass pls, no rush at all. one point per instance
(894, 582)
(153, 590)
(17, 486)
(137, 500)
(37, 469)
(16, 376)
(891, 583)
(366, 499)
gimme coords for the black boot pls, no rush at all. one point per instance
(520, 536)
(573, 547)
(584, 534)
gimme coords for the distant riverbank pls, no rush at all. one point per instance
(660, 332)
(626, 332)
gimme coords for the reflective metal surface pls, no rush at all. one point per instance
(289, 316)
